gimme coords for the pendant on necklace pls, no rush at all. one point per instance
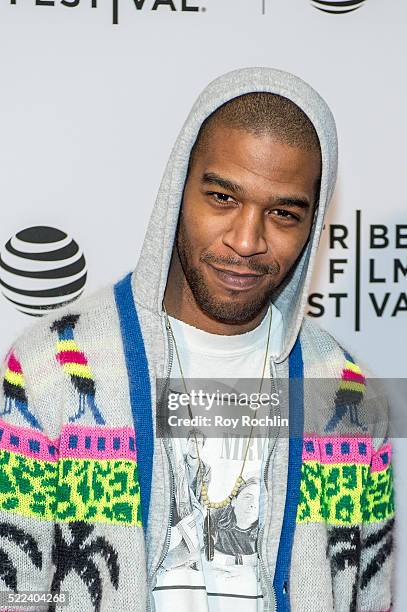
(208, 536)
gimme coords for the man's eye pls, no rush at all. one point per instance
(285, 214)
(221, 197)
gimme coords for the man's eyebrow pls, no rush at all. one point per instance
(211, 178)
(293, 201)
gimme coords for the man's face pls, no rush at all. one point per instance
(246, 215)
(191, 446)
(246, 506)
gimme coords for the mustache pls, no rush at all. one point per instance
(249, 263)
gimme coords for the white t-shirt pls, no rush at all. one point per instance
(186, 581)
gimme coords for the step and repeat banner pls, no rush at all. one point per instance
(93, 94)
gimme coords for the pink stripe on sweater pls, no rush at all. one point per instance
(350, 375)
(13, 364)
(27, 442)
(98, 443)
(332, 449)
(72, 357)
(381, 459)
(75, 442)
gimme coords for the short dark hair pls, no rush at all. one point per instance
(261, 113)
(196, 433)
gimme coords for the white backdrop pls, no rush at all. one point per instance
(89, 111)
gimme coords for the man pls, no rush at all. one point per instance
(219, 291)
(184, 547)
(198, 472)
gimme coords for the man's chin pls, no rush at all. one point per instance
(230, 307)
(232, 310)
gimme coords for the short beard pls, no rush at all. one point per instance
(224, 311)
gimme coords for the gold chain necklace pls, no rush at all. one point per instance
(239, 480)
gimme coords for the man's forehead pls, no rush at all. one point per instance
(243, 146)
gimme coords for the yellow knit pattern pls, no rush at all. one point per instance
(352, 386)
(27, 486)
(14, 378)
(67, 345)
(344, 494)
(353, 367)
(77, 369)
(105, 491)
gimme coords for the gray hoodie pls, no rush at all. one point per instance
(327, 503)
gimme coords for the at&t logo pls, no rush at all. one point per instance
(41, 268)
(337, 7)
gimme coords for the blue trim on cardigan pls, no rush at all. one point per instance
(296, 432)
(140, 389)
(140, 396)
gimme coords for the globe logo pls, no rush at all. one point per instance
(41, 269)
(337, 6)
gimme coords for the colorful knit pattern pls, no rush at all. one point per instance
(75, 363)
(89, 474)
(349, 394)
(14, 391)
(352, 385)
(344, 482)
(79, 549)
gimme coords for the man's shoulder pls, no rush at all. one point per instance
(318, 334)
(324, 352)
(85, 315)
(76, 341)
(356, 386)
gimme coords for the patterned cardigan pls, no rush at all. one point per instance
(73, 480)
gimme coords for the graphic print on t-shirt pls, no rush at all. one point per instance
(230, 580)
(186, 580)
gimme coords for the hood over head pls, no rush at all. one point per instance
(149, 279)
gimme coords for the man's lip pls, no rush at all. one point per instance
(236, 281)
(234, 273)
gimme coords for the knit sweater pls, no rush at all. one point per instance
(85, 484)
(76, 446)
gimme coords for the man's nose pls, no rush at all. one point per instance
(246, 233)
